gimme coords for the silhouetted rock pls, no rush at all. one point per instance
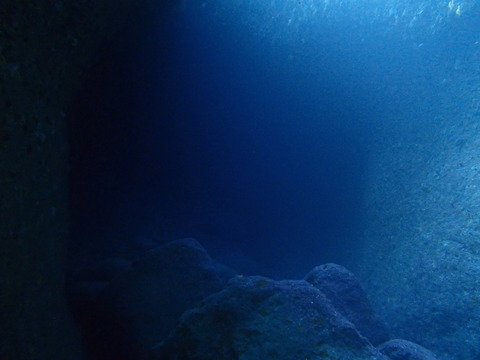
(346, 294)
(124, 308)
(147, 301)
(258, 318)
(405, 350)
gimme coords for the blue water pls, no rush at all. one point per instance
(281, 135)
(248, 126)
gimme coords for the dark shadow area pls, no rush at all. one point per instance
(190, 129)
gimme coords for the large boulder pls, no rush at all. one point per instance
(342, 288)
(399, 349)
(127, 312)
(258, 318)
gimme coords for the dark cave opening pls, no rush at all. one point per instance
(181, 132)
(188, 130)
(277, 148)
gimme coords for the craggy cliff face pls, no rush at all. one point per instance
(420, 261)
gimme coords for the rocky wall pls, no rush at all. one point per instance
(46, 47)
(421, 257)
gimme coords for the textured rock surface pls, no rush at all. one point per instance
(347, 296)
(144, 304)
(420, 264)
(258, 318)
(398, 349)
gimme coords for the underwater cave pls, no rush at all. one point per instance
(188, 129)
(169, 158)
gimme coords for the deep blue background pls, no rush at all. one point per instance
(195, 126)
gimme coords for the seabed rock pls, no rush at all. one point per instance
(343, 289)
(258, 318)
(133, 310)
(138, 308)
(148, 301)
(398, 349)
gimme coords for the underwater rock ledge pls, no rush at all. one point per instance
(258, 318)
(175, 302)
(143, 301)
